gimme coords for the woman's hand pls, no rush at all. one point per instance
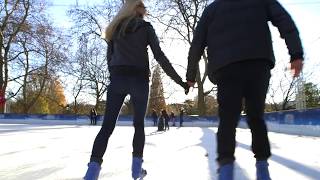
(186, 87)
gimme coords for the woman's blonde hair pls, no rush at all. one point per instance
(124, 16)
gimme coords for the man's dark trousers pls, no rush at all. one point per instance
(246, 80)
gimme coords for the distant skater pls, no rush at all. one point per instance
(181, 117)
(161, 123)
(154, 117)
(93, 117)
(165, 116)
(173, 119)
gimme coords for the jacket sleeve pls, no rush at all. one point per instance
(287, 28)
(161, 58)
(198, 44)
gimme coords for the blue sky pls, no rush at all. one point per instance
(306, 14)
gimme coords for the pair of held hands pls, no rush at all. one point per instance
(295, 66)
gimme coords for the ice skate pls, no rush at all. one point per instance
(93, 171)
(262, 170)
(137, 171)
(226, 172)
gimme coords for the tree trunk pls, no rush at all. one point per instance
(201, 96)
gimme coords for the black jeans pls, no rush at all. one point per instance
(166, 124)
(155, 121)
(91, 120)
(248, 80)
(181, 121)
(119, 88)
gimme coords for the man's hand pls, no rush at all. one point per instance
(188, 85)
(296, 67)
(191, 84)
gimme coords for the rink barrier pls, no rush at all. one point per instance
(306, 122)
(297, 122)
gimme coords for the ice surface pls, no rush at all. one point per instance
(61, 152)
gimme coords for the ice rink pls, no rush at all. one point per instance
(61, 152)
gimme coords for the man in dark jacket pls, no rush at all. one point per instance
(240, 57)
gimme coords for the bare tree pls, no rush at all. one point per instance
(89, 24)
(181, 17)
(29, 45)
(97, 74)
(76, 71)
(76, 90)
(91, 21)
(13, 16)
(282, 88)
(42, 54)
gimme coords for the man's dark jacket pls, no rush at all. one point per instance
(237, 30)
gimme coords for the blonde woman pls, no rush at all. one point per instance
(128, 36)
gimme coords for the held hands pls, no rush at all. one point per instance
(187, 85)
(296, 67)
(190, 83)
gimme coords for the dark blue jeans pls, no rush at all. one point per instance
(249, 81)
(121, 86)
